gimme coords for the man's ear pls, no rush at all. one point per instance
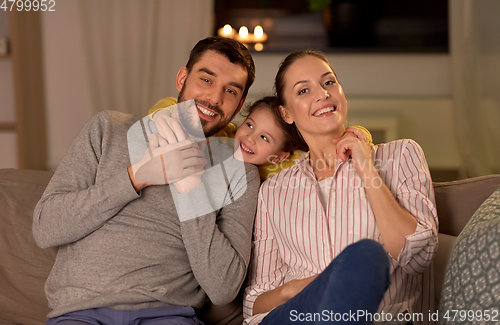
(180, 80)
(284, 114)
(279, 158)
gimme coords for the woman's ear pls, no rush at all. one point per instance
(284, 114)
(181, 78)
(279, 158)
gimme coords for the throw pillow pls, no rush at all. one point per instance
(471, 289)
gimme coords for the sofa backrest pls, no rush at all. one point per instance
(456, 201)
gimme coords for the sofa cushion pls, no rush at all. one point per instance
(472, 279)
(457, 201)
(23, 266)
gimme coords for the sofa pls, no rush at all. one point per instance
(24, 266)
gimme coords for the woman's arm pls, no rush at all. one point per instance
(269, 300)
(412, 187)
(394, 221)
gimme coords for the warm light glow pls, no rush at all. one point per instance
(227, 29)
(243, 31)
(259, 47)
(258, 31)
(244, 36)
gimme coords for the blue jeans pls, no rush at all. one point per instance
(351, 286)
(178, 315)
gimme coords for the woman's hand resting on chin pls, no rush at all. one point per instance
(354, 144)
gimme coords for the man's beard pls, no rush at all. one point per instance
(187, 118)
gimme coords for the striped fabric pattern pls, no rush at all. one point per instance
(295, 237)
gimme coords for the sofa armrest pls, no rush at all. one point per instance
(24, 267)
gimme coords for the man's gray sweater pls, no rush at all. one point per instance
(124, 250)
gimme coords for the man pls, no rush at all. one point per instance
(126, 254)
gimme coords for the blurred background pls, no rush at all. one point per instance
(425, 70)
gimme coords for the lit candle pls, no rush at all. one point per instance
(243, 32)
(227, 29)
(258, 31)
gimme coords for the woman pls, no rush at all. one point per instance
(341, 192)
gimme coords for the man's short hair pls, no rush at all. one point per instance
(233, 50)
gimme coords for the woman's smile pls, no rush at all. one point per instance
(325, 111)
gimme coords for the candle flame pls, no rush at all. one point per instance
(258, 31)
(243, 31)
(227, 29)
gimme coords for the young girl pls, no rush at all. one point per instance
(266, 140)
